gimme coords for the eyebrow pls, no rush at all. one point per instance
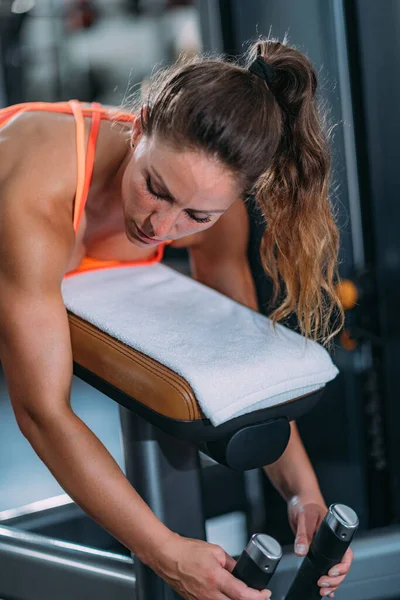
(169, 195)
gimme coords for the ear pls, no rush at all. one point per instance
(137, 127)
(137, 130)
(145, 113)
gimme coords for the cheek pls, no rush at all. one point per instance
(190, 226)
(135, 199)
(205, 226)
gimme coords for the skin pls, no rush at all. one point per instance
(128, 199)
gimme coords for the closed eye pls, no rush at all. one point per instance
(198, 219)
(155, 194)
(170, 200)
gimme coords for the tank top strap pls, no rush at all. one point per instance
(9, 112)
(81, 161)
(89, 163)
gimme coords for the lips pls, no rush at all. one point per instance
(146, 238)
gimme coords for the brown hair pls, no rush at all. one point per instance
(273, 139)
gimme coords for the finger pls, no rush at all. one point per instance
(329, 582)
(234, 588)
(328, 593)
(345, 565)
(230, 563)
(340, 569)
(301, 541)
(348, 558)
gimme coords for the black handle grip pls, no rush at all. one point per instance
(327, 549)
(250, 573)
(304, 586)
(327, 546)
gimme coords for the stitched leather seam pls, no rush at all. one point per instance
(128, 351)
(182, 387)
(134, 354)
(142, 364)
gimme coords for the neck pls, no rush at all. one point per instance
(116, 177)
(105, 193)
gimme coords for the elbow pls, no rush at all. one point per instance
(27, 424)
(24, 423)
(32, 425)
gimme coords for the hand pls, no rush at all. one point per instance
(201, 571)
(305, 517)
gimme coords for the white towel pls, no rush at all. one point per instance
(229, 354)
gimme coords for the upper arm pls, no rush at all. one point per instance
(219, 259)
(35, 348)
(224, 245)
(227, 240)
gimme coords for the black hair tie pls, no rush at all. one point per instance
(262, 69)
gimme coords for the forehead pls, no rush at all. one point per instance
(194, 178)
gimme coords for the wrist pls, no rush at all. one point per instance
(305, 487)
(152, 549)
(307, 497)
(164, 557)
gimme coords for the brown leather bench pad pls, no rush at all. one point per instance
(133, 373)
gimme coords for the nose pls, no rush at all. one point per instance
(162, 224)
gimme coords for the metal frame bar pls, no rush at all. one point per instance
(3, 98)
(163, 470)
(210, 23)
(350, 151)
(33, 567)
(381, 92)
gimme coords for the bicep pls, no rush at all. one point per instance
(35, 348)
(35, 352)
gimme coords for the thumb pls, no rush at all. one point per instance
(230, 563)
(301, 542)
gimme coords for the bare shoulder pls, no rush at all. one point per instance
(38, 164)
(35, 247)
(38, 141)
(36, 193)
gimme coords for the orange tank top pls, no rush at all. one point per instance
(85, 164)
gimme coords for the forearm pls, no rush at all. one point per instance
(292, 474)
(232, 278)
(90, 475)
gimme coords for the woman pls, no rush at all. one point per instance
(211, 134)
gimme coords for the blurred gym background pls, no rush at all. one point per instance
(101, 50)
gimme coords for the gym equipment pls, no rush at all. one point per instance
(374, 573)
(163, 427)
(327, 549)
(258, 561)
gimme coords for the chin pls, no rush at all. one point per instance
(134, 241)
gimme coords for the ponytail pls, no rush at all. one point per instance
(299, 248)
